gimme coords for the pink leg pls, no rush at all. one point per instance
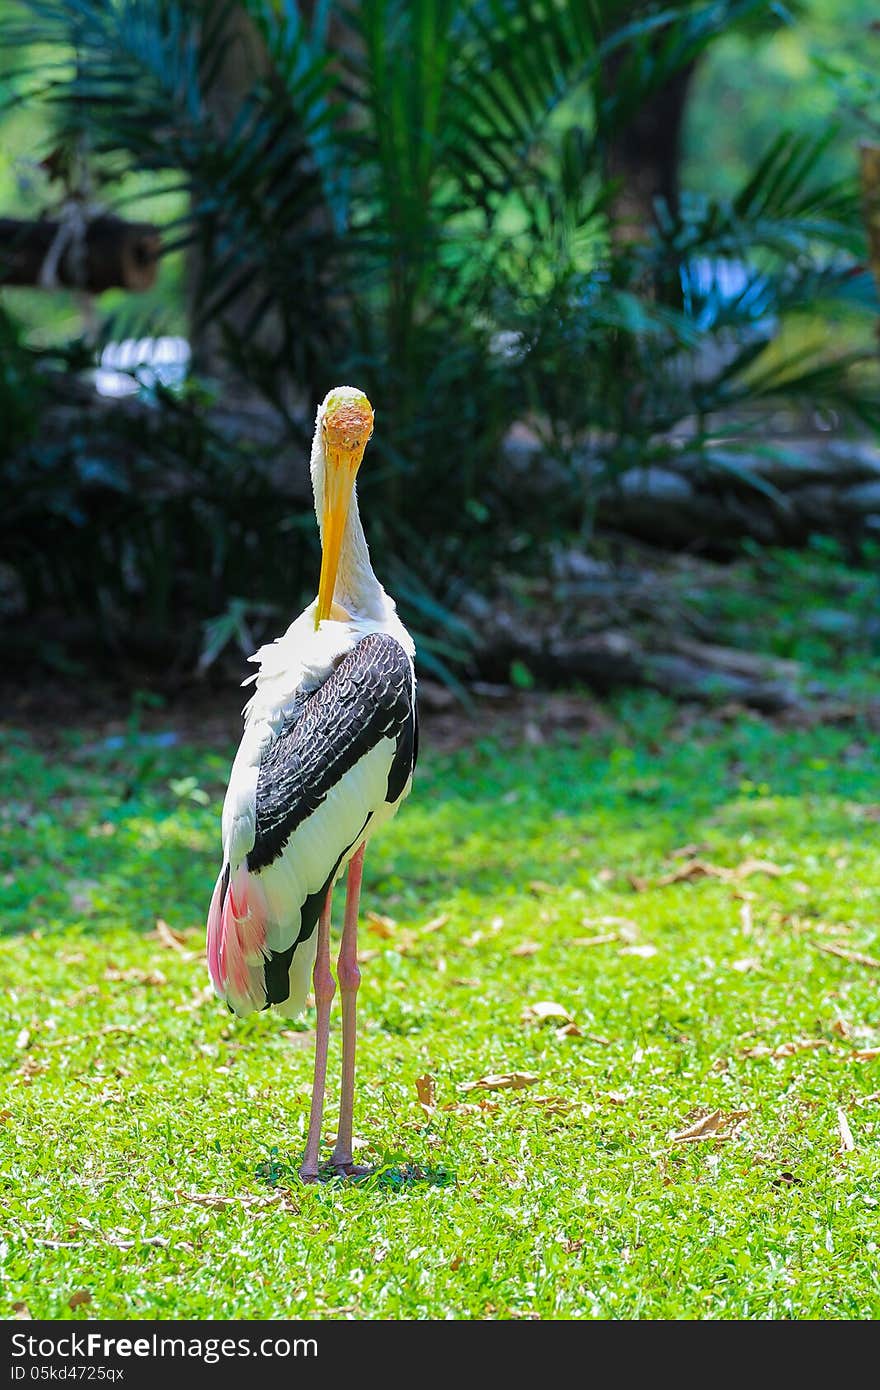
(325, 989)
(349, 975)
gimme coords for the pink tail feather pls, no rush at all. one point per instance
(236, 944)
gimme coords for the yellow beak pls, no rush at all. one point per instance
(338, 487)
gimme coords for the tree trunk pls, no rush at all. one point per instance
(645, 155)
(244, 61)
(643, 149)
(869, 157)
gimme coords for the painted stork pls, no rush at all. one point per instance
(328, 751)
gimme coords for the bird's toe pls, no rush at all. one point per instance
(352, 1170)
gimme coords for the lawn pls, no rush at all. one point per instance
(696, 1132)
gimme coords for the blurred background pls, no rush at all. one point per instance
(606, 269)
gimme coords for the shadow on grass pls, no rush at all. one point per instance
(394, 1174)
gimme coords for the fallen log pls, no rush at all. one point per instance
(810, 486)
(615, 659)
(95, 254)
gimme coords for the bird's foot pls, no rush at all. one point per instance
(335, 1168)
(345, 1167)
(351, 1170)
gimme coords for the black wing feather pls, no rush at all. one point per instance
(368, 697)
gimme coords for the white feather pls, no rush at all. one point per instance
(290, 669)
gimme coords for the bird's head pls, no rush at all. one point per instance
(345, 420)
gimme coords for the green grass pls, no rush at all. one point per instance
(149, 1141)
(154, 1167)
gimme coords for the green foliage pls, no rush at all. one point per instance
(135, 532)
(806, 76)
(149, 1141)
(824, 611)
(423, 205)
(20, 392)
(676, 375)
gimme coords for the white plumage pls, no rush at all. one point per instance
(324, 758)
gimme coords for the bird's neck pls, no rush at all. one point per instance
(357, 588)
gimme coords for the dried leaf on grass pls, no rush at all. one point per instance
(645, 950)
(125, 1243)
(380, 925)
(463, 1107)
(525, 948)
(690, 871)
(469, 1108)
(218, 1200)
(435, 924)
(854, 957)
(173, 940)
(748, 867)
(426, 1090)
(624, 927)
(552, 1105)
(31, 1067)
(81, 995)
(801, 925)
(712, 1125)
(23, 1040)
(133, 976)
(501, 1081)
(866, 1054)
(620, 929)
(80, 1299)
(703, 868)
(785, 1049)
(544, 1011)
(21, 1312)
(847, 1143)
(618, 1097)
